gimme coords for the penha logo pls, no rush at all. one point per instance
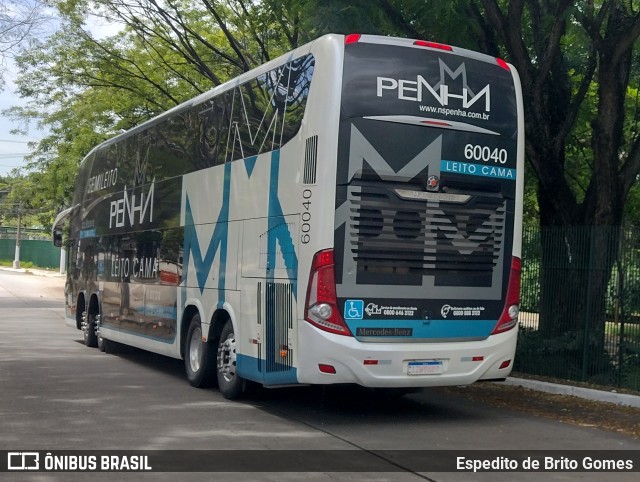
(417, 90)
(124, 209)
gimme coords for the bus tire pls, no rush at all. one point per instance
(231, 385)
(105, 346)
(199, 358)
(89, 330)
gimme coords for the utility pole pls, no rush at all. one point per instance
(16, 260)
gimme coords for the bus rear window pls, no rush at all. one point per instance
(388, 80)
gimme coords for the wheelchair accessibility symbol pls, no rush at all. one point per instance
(353, 309)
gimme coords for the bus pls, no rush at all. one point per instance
(350, 212)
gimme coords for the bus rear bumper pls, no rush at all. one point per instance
(389, 364)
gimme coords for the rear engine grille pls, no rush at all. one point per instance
(398, 236)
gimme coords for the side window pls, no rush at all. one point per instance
(145, 261)
(83, 178)
(299, 73)
(104, 172)
(252, 119)
(168, 147)
(132, 153)
(258, 116)
(170, 256)
(213, 119)
(267, 111)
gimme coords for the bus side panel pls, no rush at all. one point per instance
(318, 164)
(517, 228)
(212, 206)
(211, 240)
(263, 190)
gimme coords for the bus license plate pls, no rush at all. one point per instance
(425, 367)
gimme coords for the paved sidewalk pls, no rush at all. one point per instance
(555, 388)
(38, 272)
(588, 393)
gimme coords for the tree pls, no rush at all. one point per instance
(575, 62)
(19, 198)
(19, 20)
(85, 90)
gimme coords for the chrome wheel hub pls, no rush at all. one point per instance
(195, 350)
(227, 358)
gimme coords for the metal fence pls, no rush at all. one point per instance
(580, 305)
(35, 247)
(25, 233)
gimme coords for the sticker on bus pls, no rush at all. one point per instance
(353, 309)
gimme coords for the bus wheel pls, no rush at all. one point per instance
(102, 342)
(89, 330)
(229, 382)
(104, 345)
(198, 356)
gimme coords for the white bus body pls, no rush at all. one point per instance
(350, 212)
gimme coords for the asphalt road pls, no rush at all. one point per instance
(57, 394)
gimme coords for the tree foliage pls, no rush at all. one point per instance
(577, 62)
(20, 20)
(85, 89)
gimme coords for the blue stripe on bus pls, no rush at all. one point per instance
(218, 241)
(278, 233)
(250, 164)
(483, 170)
(249, 368)
(282, 236)
(429, 329)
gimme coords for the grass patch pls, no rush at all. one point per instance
(23, 264)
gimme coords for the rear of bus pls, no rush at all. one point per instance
(421, 287)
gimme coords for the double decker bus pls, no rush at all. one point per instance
(350, 212)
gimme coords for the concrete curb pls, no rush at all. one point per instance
(588, 393)
(37, 272)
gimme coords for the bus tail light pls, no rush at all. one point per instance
(433, 45)
(509, 317)
(321, 306)
(503, 64)
(352, 38)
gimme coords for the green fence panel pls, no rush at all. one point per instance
(580, 305)
(41, 253)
